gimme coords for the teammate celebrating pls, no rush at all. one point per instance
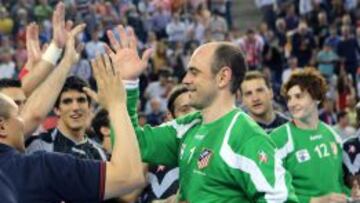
(310, 149)
(223, 155)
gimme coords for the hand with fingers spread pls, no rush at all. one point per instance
(61, 30)
(125, 56)
(111, 90)
(33, 49)
(73, 50)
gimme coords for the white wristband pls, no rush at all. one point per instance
(52, 54)
(131, 84)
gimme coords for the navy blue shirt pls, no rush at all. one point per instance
(7, 190)
(52, 177)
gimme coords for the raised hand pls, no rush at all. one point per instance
(111, 91)
(125, 56)
(72, 50)
(33, 49)
(61, 30)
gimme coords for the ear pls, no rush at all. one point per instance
(223, 77)
(3, 132)
(105, 130)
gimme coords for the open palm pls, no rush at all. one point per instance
(126, 57)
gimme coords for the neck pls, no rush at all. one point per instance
(308, 123)
(74, 135)
(266, 118)
(218, 109)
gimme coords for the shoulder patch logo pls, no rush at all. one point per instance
(204, 158)
(303, 155)
(263, 157)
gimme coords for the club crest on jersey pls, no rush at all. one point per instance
(204, 158)
(303, 155)
(263, 157)
(334, 147)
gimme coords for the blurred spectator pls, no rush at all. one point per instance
(327, 60)
(218, 27)
(327, 112)
(321, 28)
(159, 57)
(344, 90)
(7, 65)
(347, 50)
(303, 44)
(159, 21)
(94, 47)
(176, 30)
(42, 11)
(82, 69)
(6, 22)
(334, 39)
(343, 126)
(267, 9)
(291, 19)
(159, 88)
(252, 45)
(292, 66)
(156, 115)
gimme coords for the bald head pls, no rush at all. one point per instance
(222, 54)
(6, 104)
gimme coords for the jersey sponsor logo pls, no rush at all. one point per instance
(263, 157)
(303, 155)
(199, 137)
(204, 158)
(315, 137)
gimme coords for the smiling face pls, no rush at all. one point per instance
(200, 80)
(300, 103)
(256, 96)
(74, 110)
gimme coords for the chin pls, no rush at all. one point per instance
(77, 128)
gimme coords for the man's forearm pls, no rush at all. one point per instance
(43, 98)
(125, 158)
(36, 76)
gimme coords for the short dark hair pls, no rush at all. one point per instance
(7, 83)
(308, 79)
(101, 119)
(73, 83)
(229, 55)
(174, 94)
(251, 75)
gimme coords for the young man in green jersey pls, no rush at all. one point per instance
(223, 155)
(310, 149)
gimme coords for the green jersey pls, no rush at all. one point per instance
(313, 157)
(228, 160)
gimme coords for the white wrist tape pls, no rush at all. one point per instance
(52, 54)
(131, 84)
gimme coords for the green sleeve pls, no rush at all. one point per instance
(158, 145)
(265, 179)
